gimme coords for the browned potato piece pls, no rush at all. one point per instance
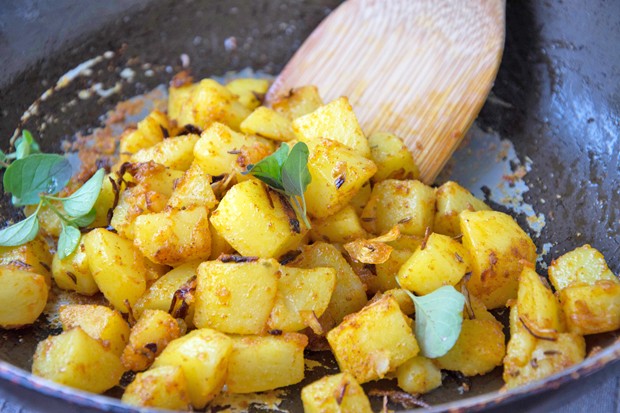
(73, 273)
(23, 295)
(392, 157)
(360, 199)
(365, 348)
(269, 124)
(387, 271)
(497, 247)
(163, 387)
(418, 375)
(452, 199)
(299, 102)
(249, 91)
(584, 265)
(149, 131)
(342, 227)
(338, 393)
(592, 309)
(175, 153)
(33, 256)
(193, 189)
(148, 338)
(75, 359)
(260, 363)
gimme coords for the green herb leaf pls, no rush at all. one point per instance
(26, 145)
(81, 202)
(86, 219)
(68, 240)
(21, 232)
(269, 169)
(295, 174)
(3, 157)
(438, 320)
(26, 178)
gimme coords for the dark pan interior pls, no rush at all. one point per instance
(559, 78)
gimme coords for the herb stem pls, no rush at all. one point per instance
(300, 211)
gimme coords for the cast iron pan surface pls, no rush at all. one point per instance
(559, 76)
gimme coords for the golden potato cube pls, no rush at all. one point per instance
(210, 102)
(521, 343)
(220, 150)
(547, 358)
(477, 309)
(150, 131)
(480, 348)
(418, 375)
(299, 102)
(73, 273)
(584, 265)
(410, 205)
(342, 227)
(349, 294)
(153, 176)
(497, 247)
(105, 201)
(23, 295)
(203, 356)
(75, 359)
(269, 124)
(335, 121)
(442, 261)
(592, 309)
(538, 308)
(33, 256)
(249, 91)
(164, 387)
(392, 157)
(50, 223)
(365, 348)
(401, 296)
(219, 245)
(117, 267)
(193, 189)
(257, 221)
(339, 393)
(177, 96)
(236, 298)
(338, 173)
(148, 338)
(176, 153)
(100, 322)
(360, 199)
(260, 363)
(452, 199)
(174, 236)
(387, 271)
(302, 293)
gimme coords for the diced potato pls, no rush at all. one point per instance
(153, 176)
(592, 309)
(33, 256)
(174, 236)
(73, 273)
(442, 261)
(50, 223)
(100, 322)
(210, 102)
(349, 295)
(338, 393)
(177, 96)
(302, 294)
(392, 157)
(342, 227)
(249, 91)
(498, 247)
(221, 150)
(335, 121)
(105, 201)
(75, 359)
(338, 173)
(299, 102)
(418, 375)
(164, 387)
(269, 124)
(148, 338)
(23, 295)
(203, 356)
(584, 264)
(408, 204)
(538, 308)
(478, 309)
(365, 348)
(193, 189)
(176, 153)
(387, 271)
(117, 267)
(361, 198)
(402, 298)
(257, 221)
(150, 131)
(452, 199)
(260, 363)
(236, 298)
(219, 245)
(521, 343)
(480, 348)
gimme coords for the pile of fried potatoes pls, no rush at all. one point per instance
(215, 284)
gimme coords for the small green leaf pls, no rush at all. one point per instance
(39, 173)
(438, 320)
(85, 220)
(26, 145)
(295, 174)
(269, 169)
(68, 240)
(21, 232)
(81, 202)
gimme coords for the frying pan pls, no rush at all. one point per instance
(560, 106)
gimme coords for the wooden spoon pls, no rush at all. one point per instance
(421, 69)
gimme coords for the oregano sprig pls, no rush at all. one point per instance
(286, 171)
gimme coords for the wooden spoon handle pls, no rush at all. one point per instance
(421, 69)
